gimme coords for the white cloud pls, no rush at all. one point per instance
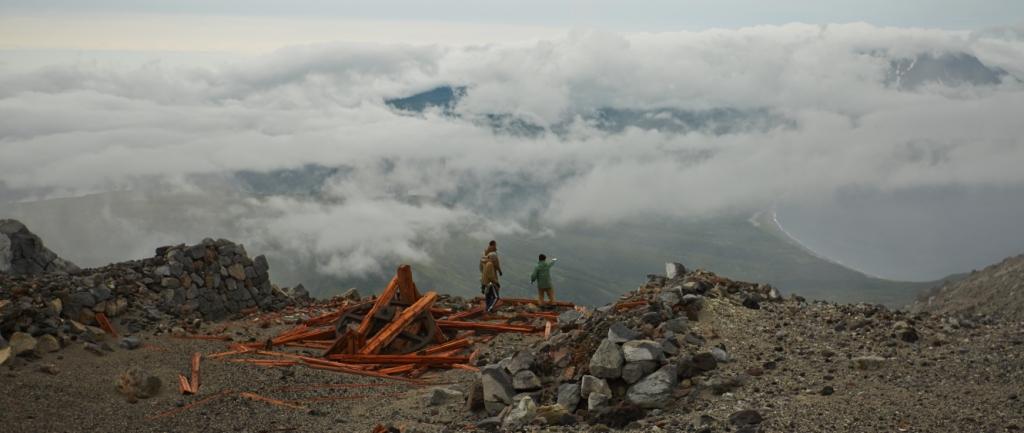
(86, 127)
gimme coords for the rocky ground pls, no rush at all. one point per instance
(686, 351)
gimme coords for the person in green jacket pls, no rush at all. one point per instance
(542, 276)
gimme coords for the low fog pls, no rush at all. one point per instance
(857, 162)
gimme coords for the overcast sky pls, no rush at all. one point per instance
(641, 15)
(129, 95)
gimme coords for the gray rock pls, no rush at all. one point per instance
(569, 396)
(569, 319)
(497, 386)
(130, 343)
(669, 298)
(674, 270)
(439, 396)
(745, 417)
(607, 360)
(720, 354)
(525, 380)
(678, 325)
(669, 347)
(352, 294)
(136, 383)
(489, 424)
(521, 414)
(632, 372)
(692, 299)
(620, 333)
(597, 401)
(522, 360)
(655, 390)
(642, 350)
(47, 343)
(170, 283)
(22, 343)
(591, 384)
(705, 361)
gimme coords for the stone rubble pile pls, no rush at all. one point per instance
(614, 365)
(181, 284)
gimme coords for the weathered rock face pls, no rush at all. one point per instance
(23, 253)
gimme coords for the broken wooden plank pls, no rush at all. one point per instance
(183, 385)
(224, 393)
(398, 359)
(388, 334)
(383, 300)
(406, 286)
(453, 344)
(105, 324)
(455, 324)
(257, 397)
(194, 382)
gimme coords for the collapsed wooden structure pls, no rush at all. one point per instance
(399, 334)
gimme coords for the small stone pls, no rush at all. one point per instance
(867, 362)
(705, 361)
(554, 414)
(93, 348)
(720, 354)
(827, 390)
(439, 396)
(521, 414)
(751, 303)
(522, 360)
(597, 401)
(22, 343)
(137, 383)
(591, 384)
(568, 319)
(525, 380)
(47, 343)
(352, 294)
(745, 417)
(619, 333)
(49, 369)
(5, 354)
(130, 343)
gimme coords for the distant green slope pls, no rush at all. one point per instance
(596, 264)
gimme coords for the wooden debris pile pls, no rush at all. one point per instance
(400, 334)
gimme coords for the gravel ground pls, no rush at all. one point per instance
(82, 397)
(951, 380)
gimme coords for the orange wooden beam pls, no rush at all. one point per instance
(455, 324)
(194, 383)
(388, 334)
(406, 286)
(105, 324)
(399, 359)
(383, 300)
(272, 401)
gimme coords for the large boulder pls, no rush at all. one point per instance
(674, 270)
(22, 343)
(655, 390)
(607, 360)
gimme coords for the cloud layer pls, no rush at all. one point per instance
(80, 127)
